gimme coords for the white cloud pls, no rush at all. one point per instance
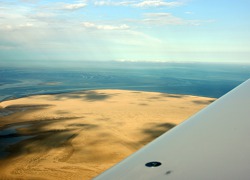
(73, 6)
(26, 25)
(29, 1)
(42, 15)
(141, 4)
(110, 3)
(10, 21)
(89, 25)
(158, 3)
(163, 19)
(167, 19)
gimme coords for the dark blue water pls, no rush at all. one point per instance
(211, 80)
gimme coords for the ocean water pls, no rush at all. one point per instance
(211, 80)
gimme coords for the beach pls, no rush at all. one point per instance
(80, 134)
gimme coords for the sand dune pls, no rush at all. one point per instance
(79, 135)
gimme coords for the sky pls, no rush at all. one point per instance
(126, 30)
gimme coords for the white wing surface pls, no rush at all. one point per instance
(213, 144)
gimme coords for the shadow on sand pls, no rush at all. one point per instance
(204, 102)
(154, 130)
(84, 95)
(21, 138)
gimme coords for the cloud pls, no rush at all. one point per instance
(158, 3)
(12, 21)
(167, 19)
(59, 5)
(110, 3)
(29, 1)
(140, 4)
(72, 7)
(42, 15)
(89, 25)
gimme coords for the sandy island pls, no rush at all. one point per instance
(79, 135)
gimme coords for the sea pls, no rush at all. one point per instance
(199, 79)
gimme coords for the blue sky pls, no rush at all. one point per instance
(126, 30)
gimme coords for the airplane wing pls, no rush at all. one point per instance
(213, 144)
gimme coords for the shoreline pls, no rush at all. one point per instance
(82, 133)
(93, 89)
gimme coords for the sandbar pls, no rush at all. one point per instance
(78, 135)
